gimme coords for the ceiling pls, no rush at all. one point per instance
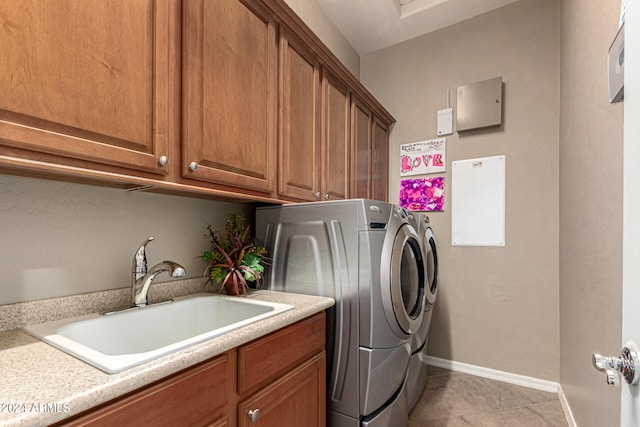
(370, 25)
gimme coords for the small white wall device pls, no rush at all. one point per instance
(616, 68)
(445, 121)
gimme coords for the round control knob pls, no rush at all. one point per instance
(163, 160)
(193, 166)
(254, 414)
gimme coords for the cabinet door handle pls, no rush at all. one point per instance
(254, 414)
(317, 195)
(326, 196)
(193, 166)
(163, 160)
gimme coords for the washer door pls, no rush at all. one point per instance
(404, 281)
(431, 258)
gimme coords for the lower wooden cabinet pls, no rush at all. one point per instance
(296, 399)
(276, 380)
(196, 397)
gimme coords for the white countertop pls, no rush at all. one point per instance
(41, 385)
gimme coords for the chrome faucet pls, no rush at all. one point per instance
(141, 278)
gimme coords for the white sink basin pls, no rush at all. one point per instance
(121, 340)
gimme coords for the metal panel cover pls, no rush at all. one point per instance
(480, 104)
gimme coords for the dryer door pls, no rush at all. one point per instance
(431, 258)
(403, 282)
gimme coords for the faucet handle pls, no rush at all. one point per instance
(139, 267)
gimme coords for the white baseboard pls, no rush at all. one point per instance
(493, 374)
(566, 408)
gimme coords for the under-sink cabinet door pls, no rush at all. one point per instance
(262, 361)
(229, 68)
(196, 397)
(296, 399)
(85, 81)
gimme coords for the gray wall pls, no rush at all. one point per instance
(496, 307)
(591, 141)
(60, 239)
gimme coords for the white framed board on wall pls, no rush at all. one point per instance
(478, 201)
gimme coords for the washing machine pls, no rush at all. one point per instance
(417, 372)
(367, 256)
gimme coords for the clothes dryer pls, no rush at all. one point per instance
(417, 372)
(368, 257)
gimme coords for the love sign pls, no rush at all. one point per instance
(423, 157)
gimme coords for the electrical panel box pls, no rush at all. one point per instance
(479, 104)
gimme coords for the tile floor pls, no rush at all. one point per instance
(455, 399)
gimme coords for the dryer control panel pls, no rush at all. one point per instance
(377, 215)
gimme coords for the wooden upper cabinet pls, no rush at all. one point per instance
(239, 97)
(369, 151)
(379, 160)
(361, 122)
(300, 120)
(229, 93)
(86, 79)
(314, 126)
(335, 153)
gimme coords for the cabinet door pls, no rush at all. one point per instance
(262, 361)
(379, 161)
(300, 121)
(195, 397)
(361, 127)
(335, 153)
(297, 399)
(229, 93)
(85, 79)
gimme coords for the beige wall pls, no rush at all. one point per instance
(496, 307)
(61, 239)
(591, 138)
(312, 14)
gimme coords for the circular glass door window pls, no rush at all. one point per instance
(411, 278)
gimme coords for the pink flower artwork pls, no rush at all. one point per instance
(422, 194)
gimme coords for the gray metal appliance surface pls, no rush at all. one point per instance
(368, 257)
(417, 373)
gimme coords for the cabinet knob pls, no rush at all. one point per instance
(254, 414)
(326, 196)
(163, 160)
(317, 195)
(193, 166)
